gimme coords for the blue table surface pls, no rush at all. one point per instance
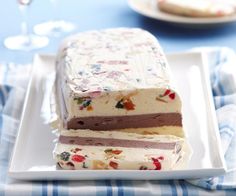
(99, 14)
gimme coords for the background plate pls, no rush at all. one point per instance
(32, 156)
(149, 8)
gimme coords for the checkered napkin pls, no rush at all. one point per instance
(13, 82)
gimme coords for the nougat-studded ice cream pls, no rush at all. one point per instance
(117, 79)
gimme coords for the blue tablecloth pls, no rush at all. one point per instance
(105, 14)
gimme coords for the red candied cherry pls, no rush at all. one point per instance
(172, 95)
(78, 158)
(156, 163)
(128, 104)
(116, 151)
(113, 164)
(167, 92)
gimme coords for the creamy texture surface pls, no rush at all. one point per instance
(164, 155)
(198, 8)
(112, 73)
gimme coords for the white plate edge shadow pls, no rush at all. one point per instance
(35, 175)
(136, 5)
(212, 108)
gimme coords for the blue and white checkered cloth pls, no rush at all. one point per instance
(13, 81)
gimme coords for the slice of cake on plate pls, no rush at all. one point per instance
(86, 149)
(198, 8)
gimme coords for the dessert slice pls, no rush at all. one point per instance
(198, 8)
(117, 79)
(85, 149)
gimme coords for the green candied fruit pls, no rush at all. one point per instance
(65, 156)
(109, 150)
(79, 100)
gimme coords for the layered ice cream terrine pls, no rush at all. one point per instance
(86, 149)
(117, 79)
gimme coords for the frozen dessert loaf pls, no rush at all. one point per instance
(117, 79)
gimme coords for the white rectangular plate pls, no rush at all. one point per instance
(32, 157)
